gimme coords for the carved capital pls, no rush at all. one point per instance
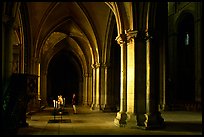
(130, 34)
(87, 75)
(147, 36)
(97, 65)
(104, 65)
(121, 39)
(127, 37)
(92, 66)
(143, 36)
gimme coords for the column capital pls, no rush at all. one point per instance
(105, 65)
(144, 35)
(87, 75)
(130, 34)
(95, 66)
(127, 37)
(121, 39)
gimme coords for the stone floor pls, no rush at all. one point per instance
(87, 122)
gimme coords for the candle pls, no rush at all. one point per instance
(64, 101)
(54, 103)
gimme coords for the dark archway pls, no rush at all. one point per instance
(115, 62)
(185, 89)
(64, 75)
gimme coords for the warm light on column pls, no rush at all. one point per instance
(148, 76)
(97, 84)
(130, 77)
(38, 81)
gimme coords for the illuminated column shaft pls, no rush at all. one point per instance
(152, 116)
(123, 85)
(96, 82)
(93, 88)
(90, 90)
(38, 81)
(97, 86)
(131, 71)
(103, 86)
(85, 95)
(44, 87)
(148, 77)
(121, 117)
(131, 117)
(105, 95)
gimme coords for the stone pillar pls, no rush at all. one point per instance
(153, 117)
(43, 88)
(131, 117)
(121, 117)
(97, 106)
(103, 86)
(85, 87)
(90, 90)
(107, 107)
(96, 95)
(140, 78)
(93, 88)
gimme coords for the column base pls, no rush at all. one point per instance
(85, 103)
(131, 120)
(154, 121)
(120, 119)
(95, 107)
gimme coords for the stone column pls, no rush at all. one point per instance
(39, 91)
(97, 106)
(43, 88)
(90, 90)
(121, 117)
(93, 87)
(96, 94)
(140, 78)
(131, 117)
(85, 87)
(103, 86)
(153, 117)
(107, 107)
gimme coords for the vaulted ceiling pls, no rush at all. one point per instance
(85, 22)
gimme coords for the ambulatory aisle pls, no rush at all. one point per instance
(88, 122)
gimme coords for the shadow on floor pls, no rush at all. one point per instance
(182, 126)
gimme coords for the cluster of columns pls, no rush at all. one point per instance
(138, 102)
(95, 88)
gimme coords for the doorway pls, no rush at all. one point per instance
(64, 77)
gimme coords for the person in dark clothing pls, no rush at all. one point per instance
(74, 103)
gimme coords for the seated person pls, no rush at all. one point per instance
(60, 101)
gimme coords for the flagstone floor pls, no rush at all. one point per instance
(89, 122)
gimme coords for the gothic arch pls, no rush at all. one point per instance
(71, 45)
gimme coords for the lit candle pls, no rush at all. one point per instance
(54, 103)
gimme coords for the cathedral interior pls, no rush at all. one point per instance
(133, 59)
